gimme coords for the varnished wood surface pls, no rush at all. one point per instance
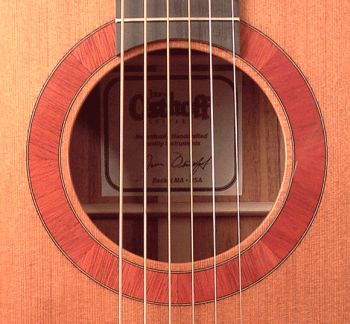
(309, 287)
(36, 35)
(274, 245)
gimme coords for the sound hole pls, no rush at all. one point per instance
(94, 156)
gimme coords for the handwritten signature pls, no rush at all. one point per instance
(179, 162)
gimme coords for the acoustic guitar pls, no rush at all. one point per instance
(175, 161)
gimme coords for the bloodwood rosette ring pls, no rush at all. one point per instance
(258, 259)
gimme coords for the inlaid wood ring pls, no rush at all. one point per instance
(100, 263)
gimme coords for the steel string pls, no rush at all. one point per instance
(237, 162)
(168, 153)
(212, 155)
(121, 164)
(145, 114)
(191, 153)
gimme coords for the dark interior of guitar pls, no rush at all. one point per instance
(94, 152)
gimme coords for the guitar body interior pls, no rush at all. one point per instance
(305, 281)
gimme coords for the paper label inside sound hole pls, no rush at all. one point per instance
(156, 156)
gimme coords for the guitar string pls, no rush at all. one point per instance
(191, 151)
(145, 114)
(237, 162)
(121, 164)
(168, 153)
(212, 155)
